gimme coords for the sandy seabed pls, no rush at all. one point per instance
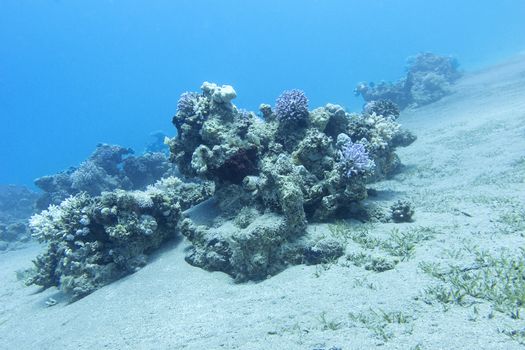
(465, 176)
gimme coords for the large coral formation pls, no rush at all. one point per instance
(268, 179)
(273, 176)
(92, 241)
(110, 167)
(428, 79)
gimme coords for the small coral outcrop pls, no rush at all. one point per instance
(402, 211)
(94, 240)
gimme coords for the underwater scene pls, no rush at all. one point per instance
(280, 174)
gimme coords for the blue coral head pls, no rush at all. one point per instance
(292, 106)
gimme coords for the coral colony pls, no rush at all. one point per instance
(354, 158)
(292, 106)
(268, 177)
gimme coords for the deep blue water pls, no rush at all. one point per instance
(76, 73)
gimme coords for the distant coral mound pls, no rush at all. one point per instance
(17, 204)
(108, 168)
(429, 78)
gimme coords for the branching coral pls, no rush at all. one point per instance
(354, 158)
(292, 106)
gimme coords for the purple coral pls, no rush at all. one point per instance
(292, 105)
(355, 159)
(186, 102)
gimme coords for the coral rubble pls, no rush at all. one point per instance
(428, 79)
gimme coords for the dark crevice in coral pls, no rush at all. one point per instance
(235, 168)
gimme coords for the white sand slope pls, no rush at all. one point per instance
(465, 177)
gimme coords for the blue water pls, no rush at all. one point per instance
(76, 73)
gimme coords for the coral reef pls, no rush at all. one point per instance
(146, 169)
(428, 79)
(157, 145)
(267, 178)
(13, 232)
(17, 204)
(108, 168)
(94, 240)
(273, 176)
